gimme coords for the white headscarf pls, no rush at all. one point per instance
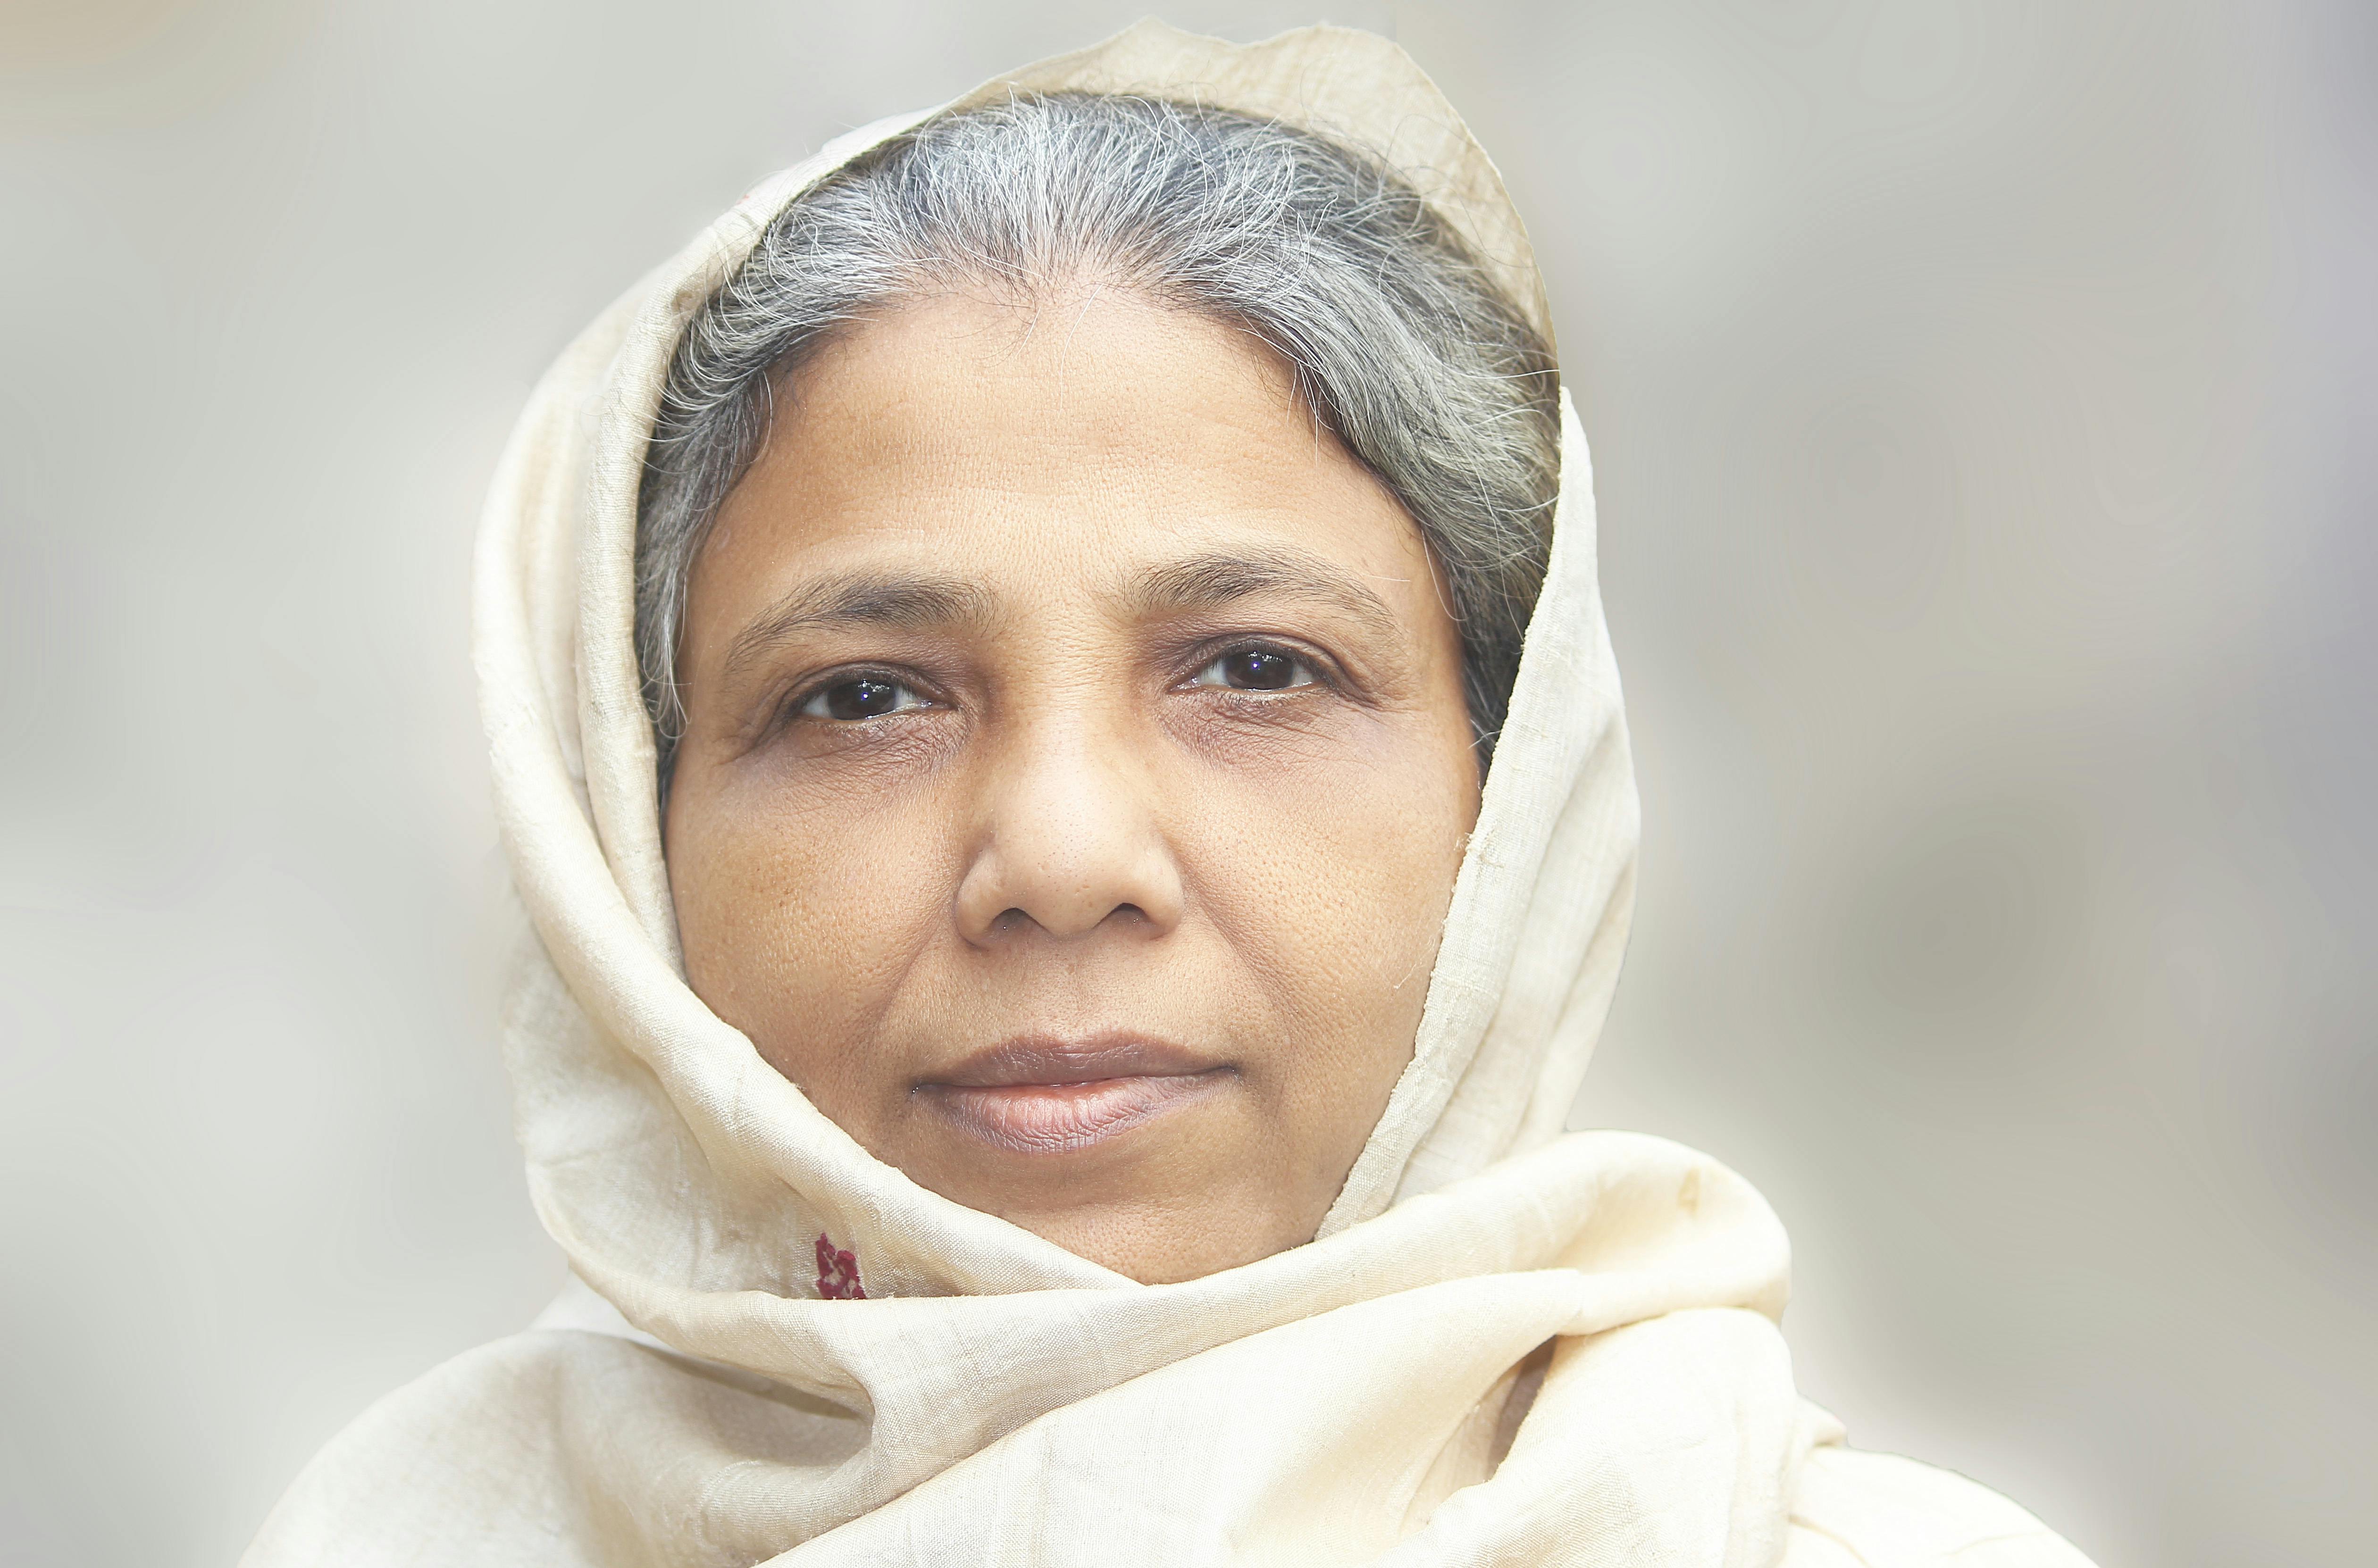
(792, 1352)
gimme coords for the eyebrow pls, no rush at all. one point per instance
(908, 601)
(1214, 582)
(905, 600)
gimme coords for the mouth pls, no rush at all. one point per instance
(1038, 1096)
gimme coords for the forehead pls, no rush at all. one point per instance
(1038, 446)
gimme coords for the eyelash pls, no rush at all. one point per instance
(1315, 671)
(798, 706)
(1310, 667)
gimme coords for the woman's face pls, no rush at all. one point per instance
(1075, 773)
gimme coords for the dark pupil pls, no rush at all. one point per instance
(862, 698)
(1259, 670)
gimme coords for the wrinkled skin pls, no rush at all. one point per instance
(1055, 683)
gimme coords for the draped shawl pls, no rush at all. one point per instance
(1506, 1345)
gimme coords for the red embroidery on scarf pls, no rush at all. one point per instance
(837, 1274)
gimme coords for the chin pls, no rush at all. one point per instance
(1158, 1242)
(1189, 1196)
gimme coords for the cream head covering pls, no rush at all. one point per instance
(786, 1351)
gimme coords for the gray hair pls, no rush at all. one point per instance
(1398, 341)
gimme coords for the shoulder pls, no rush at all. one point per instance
(514, 1454)
(446, 1468)
(1857, 1510)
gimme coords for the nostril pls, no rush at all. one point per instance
(1015, 919)
(1010, 894)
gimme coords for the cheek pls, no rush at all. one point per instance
(1329, 871)
(800, 910)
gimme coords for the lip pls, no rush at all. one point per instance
(1042, 1096)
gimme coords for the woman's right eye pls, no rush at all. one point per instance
(861, 697)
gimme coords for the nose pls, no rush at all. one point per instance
(1071, 841)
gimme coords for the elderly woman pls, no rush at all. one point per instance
(1051, 716)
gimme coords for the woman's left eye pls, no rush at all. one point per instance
(1256, 669)
(861, 697)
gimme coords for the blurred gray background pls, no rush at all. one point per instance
(1988, 438)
